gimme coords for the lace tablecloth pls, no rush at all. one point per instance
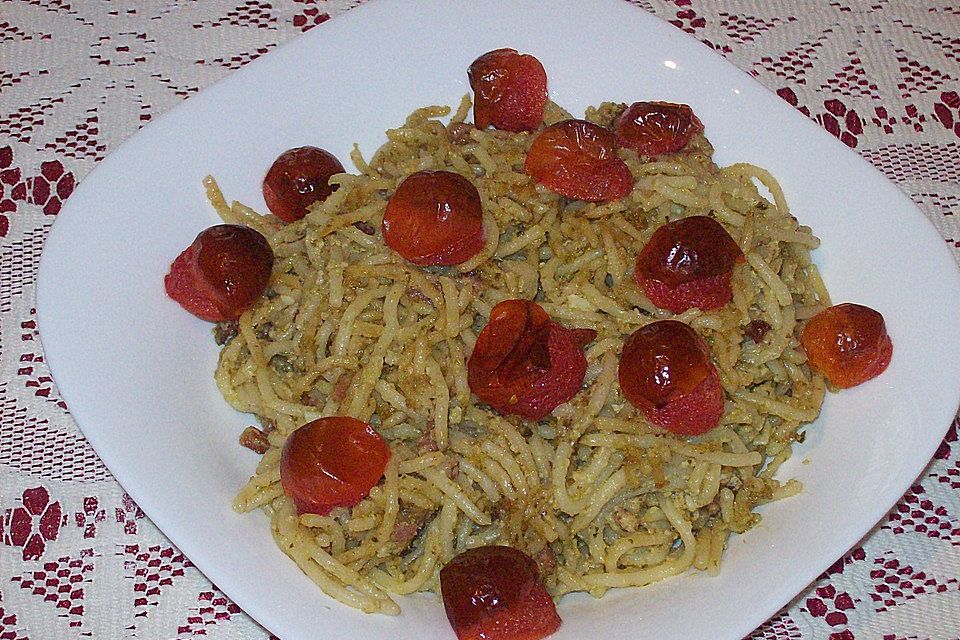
(78, 559)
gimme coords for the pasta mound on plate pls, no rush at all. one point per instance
(595, 493)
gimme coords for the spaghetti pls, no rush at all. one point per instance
(598, 496)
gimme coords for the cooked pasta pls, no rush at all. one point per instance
(596, 494)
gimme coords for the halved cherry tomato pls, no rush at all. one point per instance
(494, 593)
(298, 178)
(666, 372)
(653, 128)
(578, 159)
(434, 218)
(848, 343)
(332, 462)
(222, 274)
(526, 364)
(510, 90)
(688, 263)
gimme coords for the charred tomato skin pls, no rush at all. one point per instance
(332, 462)
(510, 90)
(298, 178)
(494, 593)
(222, 273)
(848, 343)
(666, 372)
(434, 218)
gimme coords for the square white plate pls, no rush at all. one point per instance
(137, 372)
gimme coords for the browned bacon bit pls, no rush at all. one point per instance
(224, 332)
(255, 440)
(756, 330)
(416, 294)
(546, 561)
(460, 132)
(426, 443)
(409, 522)
(341, 386)
(365, 228)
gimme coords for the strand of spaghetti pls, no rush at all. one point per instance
(444, 484)
(720, 209)
(521, 448)
(370, 374)
(771, 279)
(509, 464)
(447, 520)
(499, 475)
(671, 567)
(427, 564)
(488, 486)
(745, 170)
(391, 493)
(561, 496)
(441, 402)
(629, 542)
(337, 580)
(451, 304)
(330, 526)
(589, 474)
(598, 499)
(491, 240)
(431, 459)
(691, 451)
(354, 309)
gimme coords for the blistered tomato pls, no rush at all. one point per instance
(848, 343)
(578, 159)
(526, 364)
(653, 128)
(510, 90)
(494, 593)
(434, 218)
(332, 462)
(688, 263)
(666, 372)
(222, 274)
(298, 178)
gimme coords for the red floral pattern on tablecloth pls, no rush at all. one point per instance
(78, 558)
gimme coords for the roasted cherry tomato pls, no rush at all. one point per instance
(510, 90)
(332, 462)
(653, 128)
(434, 218)
(848, 343)
(688, 263)
(297, 179)
(222, 274)
(494, 593)
(578, 159)
(666, 372)
(526, 364)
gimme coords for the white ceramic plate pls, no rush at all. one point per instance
(137, 371)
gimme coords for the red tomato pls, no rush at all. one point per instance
(510, 90)
(578, 159)
(666, 372)
(434, 218)
(688, 263)
(848, 343)
(297, 179)
(526, 364)
(222, 274)
(332, 462)
(653, 128)
(494, 593)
